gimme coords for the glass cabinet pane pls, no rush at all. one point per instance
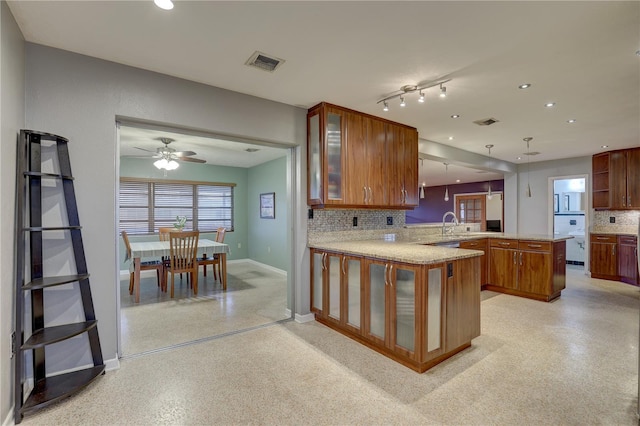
(314, 165)
(317, 281)
(376, 300)
(334, 287)
(434, 306)
(334, 156)
(353, 315)
(405, 287)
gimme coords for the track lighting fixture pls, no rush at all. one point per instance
(410, 88)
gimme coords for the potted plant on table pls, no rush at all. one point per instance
(180, 222)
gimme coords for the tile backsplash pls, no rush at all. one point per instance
(328, 220)
(625, 221)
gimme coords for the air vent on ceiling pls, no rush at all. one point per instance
(264, 62)
(252, 149)
(486, 122)
(531, 153)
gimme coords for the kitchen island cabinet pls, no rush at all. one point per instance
(527, 268)
(418, 310)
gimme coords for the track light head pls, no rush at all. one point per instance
(443, 91)
(386, 106)
(402, 103)
(421, 98)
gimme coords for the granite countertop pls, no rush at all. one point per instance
(413, 249)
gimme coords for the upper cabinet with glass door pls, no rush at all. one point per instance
(351, 157)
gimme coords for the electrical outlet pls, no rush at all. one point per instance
(389, 220)
(310, 214)
(612, 219)
(355, 221)
(268, 249)
(13, 344)
(239, 245)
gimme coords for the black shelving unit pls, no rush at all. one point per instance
(31, 283)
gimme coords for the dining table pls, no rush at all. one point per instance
(158, 249)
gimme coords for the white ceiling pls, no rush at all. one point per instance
(580, 55)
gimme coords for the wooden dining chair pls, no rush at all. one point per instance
(183, 256)
(158, 265)
(214, 260)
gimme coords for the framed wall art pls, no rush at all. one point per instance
(268, 205)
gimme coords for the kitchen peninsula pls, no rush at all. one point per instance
(416, 301)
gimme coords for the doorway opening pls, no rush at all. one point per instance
(569, 216)
(259, 268)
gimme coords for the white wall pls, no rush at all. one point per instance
(534, 212)
(79, 97)
(12, 120)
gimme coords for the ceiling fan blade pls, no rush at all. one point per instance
(191, 160)
(183, 153)
(144, 149)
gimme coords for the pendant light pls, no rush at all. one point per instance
(446, 189)
(489, 194)
(527, 140)
(421, 189)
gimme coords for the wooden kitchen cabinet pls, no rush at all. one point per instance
(533, 269)
(360, 161)
(482, 245)
(625, 176)
(616, 179)
(336, 289)
(628, 259)
(603, 258)
(463, 303)
(402, 145)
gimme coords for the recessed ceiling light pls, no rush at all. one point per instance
(457, 180)
(549, 104)
(524, 86)
(450, 138)
(455, 116)
(519, 158)
(164, 4)
(571, 120)
(638, 52)
(604, 146)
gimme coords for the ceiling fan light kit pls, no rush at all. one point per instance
(168, 157)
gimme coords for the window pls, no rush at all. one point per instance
(146, 205)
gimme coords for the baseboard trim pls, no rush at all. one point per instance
(305, 318)
(9, 420)
(112, 364)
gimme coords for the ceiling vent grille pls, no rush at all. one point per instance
(264, 62)
(531, 153)
(486, 122)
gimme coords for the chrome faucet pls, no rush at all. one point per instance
(446, 230)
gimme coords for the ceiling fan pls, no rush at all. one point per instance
(168, 157)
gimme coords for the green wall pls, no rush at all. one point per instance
(251, 233)
(268, 237)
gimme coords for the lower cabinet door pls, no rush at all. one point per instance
(333, 264)
(376, 292)
(535, 272)
(352, 293)
(402, 301)
(317, 281)
(434, 310)
(503, 268)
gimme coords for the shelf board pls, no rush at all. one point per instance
(47, 175)
(50, 228)
(54, 388)
(58, 333)
(53, 281)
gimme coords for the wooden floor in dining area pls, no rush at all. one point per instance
(255, 296)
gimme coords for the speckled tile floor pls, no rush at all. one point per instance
(570, 362)
(254, 296)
